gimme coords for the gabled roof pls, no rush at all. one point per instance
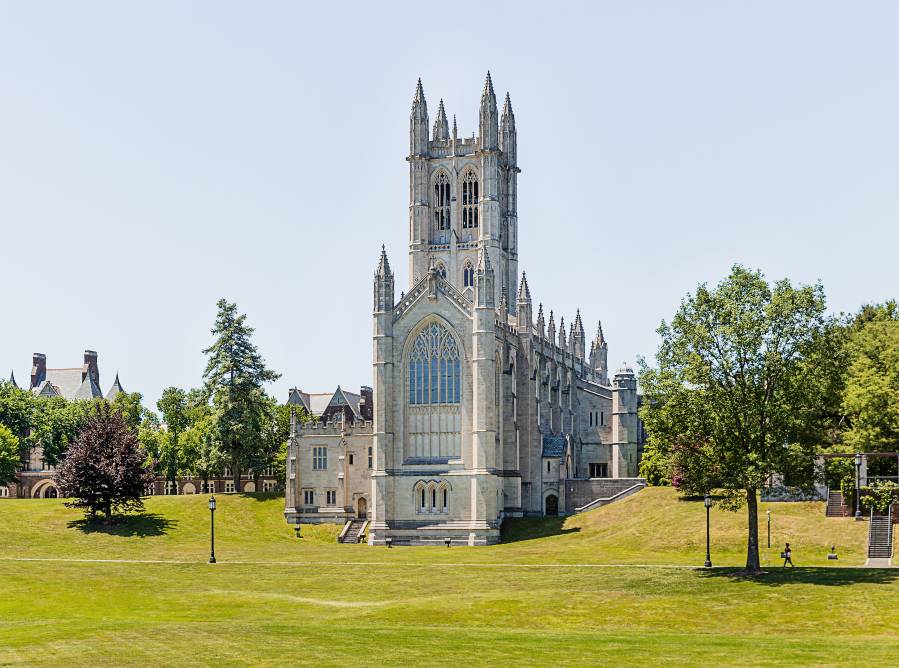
(88, 389)
(46, 389)
(342, 397)
(115, 390)
(317, 402)
(66, 381)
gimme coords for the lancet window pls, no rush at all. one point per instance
(435, 368)
(441, 203)
(470, 197)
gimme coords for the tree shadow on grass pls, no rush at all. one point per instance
(126, 526)
(261, 496)
(516, 529)
(826, 577)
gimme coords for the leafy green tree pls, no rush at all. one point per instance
(105, 468)
(10, 458)
(871, 395)
(234, 378)
(56, 424)
(173, 407)
(203, 454)
(129, 405)
(733, 395)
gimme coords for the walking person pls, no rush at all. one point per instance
(788, 556)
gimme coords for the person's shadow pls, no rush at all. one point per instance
(127, 526)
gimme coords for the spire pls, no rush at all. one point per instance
(489, 118)
(441, 126)
(524, 293)
(12, 379)
(418, 123)
(551, 328)
(600, 339)
(508, 141)
(116, 388)
(383, 284)
(563, 344)
(578, 339)
(383, 264)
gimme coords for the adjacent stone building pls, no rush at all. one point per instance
(482, 407)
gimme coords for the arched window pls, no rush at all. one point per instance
(441, 202)
(470, 200)
(467, 275)
(435, 368)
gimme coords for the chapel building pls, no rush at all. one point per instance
(482, 407)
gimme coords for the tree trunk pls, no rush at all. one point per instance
(236, 472)
(752, 551)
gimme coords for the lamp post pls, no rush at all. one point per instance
(858, 475)
(212, 529)
(708, 551)
(768, 512)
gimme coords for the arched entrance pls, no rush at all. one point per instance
(45, 489)
(552, 504)
(362, 508)
(249, 487)
(189, 488)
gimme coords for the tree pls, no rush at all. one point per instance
(129, 404)
(203, 454)
(733, 396)
(10, 459)
(871, 395)
(105, 469)
(174, 409)
(234, 378)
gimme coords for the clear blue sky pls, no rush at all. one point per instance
(156, 157)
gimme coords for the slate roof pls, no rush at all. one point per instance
(317, 402)
(65, 382)
(115, 390)
(88, 389)
(553, 446)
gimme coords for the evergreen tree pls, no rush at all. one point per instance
(105, 468)
(234, 378)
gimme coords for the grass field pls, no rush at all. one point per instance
(605, 588)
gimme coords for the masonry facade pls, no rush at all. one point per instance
(482, 406)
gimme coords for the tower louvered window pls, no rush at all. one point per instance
(435, 368)
(470, 200)
(441, 202)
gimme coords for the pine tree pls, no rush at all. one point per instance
(234, 378)
(105, 468)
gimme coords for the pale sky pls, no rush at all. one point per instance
(156, 157)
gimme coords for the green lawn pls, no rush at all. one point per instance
(555, 592)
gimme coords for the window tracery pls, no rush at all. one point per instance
(435, 367)
(470, 197)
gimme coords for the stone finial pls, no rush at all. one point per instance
(524, 293)
(441, 126)
(383, 265)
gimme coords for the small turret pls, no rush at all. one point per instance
(563, 343)
(383, 284)
(508, 139)
(489, 118)
(484, 281)
(578, 337)
(541, 327)
(599, 356)
(441, 126)
(418, 123)
(551, 328)
(525, 308)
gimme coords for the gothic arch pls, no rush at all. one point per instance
(440, 198)
(469, 195)
(467, 273)
(45, 489)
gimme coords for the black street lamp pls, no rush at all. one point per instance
(708, 551)
(768, 512)
(212, 529)
(858, 476)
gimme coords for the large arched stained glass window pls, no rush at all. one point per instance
(435, 369)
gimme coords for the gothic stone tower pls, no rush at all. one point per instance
(463, 195)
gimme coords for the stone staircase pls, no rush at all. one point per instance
(353, 531)
(880, 536)
(835, 506)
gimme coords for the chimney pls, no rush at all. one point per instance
(90, 366)
(366, 406)
(38, 369)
